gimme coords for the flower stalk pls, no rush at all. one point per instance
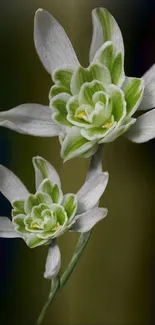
(57, 283)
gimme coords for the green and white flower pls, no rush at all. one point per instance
(42, 217)
(88, 106)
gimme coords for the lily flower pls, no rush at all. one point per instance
(42, 217)
(87, 106)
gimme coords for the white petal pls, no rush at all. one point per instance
(87, 220)
(52, 44)
(96, 163)
(105, 29)
(32, 119)
(53, 262)
(144, 128)
(11, 186)
(90, 193)
(148, 101)
(43, 169)
(7, 229)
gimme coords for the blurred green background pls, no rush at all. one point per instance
(113, 283)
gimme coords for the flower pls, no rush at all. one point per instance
(42, 217)
(92, 105)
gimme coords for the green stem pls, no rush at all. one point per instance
(83, 240)
(54, 288)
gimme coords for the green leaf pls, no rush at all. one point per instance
(88, 90)
(118, 130)
(43, 169)
(36, 212)
(43, 219)
(100, 96)
(61, 119)
(77, 115)
(70, 204)
(33, 241)
(72, 105)
(90, 152)
(52, 190)
(133, 89)
(118, 103)
(18, 207)
(105, 28)
(62, 77)
(100, 115)
(56, 194)
(27, 221)
(59, 102)
(105, 19)
(117, 70)
(97, 133)
(15, 212)
(56, 90)
(100, 73)
(61, 214)
(93, 72)
(75, 144)
(80, 76)
(103, 109)
(105, 54)
(36, 199)
(41, 166)
(81, 116)
(18, 221)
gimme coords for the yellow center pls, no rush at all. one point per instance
(36, 225)
(108, 125)
(56, 228)
(81, 115)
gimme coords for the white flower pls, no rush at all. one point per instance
(90, 105)
(42, 217)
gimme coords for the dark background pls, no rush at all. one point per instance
(114, 281)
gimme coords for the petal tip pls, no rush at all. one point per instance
(36, 157)
(38, 11)
(98, 9)
(106, 174)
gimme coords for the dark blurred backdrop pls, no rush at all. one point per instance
(114, 281)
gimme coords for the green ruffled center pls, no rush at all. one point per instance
(44, 215)
(99, 100)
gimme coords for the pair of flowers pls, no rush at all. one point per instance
(87, 107)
